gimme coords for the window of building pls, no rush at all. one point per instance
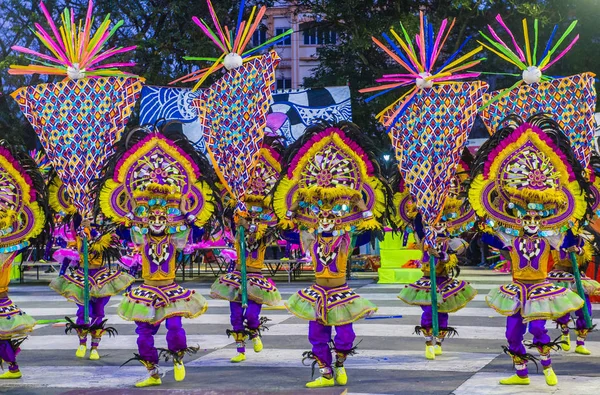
(319, 36)
(288, 39)
(259, 37)
(284, 83)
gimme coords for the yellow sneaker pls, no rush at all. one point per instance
(81, 350)
(341, 378)
(429, 352)
(11, 375)
(257, 344)
(320, 383)
(551, 378)
(179, 371)
(582, 350)
(94, 356)
(515, 380)
(240, 357)
(149, 382)
(566, 346)
(437, 349)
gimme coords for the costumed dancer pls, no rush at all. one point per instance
(233, 111)
(23, 216)
(562, 275)
(528, 185)
(428, 153)
(260, 224)
(545, 94)
(103, 247)
(331, 189)
(157, 184)
(453, 294)
(77, 121)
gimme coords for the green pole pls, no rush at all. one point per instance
(580, 291)
(86, 282)
(243, 266)
(434, 302)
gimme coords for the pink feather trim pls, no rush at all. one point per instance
(326, 133)
(66, 253)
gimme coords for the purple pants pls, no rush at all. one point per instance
(238, 315)
(176, 340)
(9, 355)
(580, 321)
(96, 312)
(427, 318)
(515, 330)
(319, 336)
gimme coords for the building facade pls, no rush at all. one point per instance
(299, 51)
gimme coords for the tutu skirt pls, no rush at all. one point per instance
(452, 295)
(565, 279)
(103, 282)
(541, 301)
(329, 306)
(14, 322)
(153, 305)
(260, 289)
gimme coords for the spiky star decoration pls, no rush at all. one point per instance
(232, 42)
(76, 53)
(419, 60)
(527, 61)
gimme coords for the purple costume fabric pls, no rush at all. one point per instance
(238, 315)
(580, 321)
(9, 355)
(96, 313)
(176, 339)
(319, 336)
(515, 330)
(427, 318)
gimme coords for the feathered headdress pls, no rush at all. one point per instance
(24, 210)
(75, 52)
(328, 167)
(430, 123)
(151, 168)
(232, 43)
(528, 166)
(570, 101)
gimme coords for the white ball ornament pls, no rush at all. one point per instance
(232, 61)
(532, 75)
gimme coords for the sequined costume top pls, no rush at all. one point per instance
(159, 253)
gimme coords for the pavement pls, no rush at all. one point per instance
(390, 357)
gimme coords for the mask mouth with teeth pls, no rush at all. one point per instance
(157, 221)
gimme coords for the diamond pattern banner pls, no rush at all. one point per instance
(429, 138)
(78, 122)
(233, 112)
(571, 101)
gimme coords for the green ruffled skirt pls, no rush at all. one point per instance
(541, 301)
(151, 304)
(452, 295)
(103, 282)
(566, 279)
(331, 307)
(14, 322)
(260, 289)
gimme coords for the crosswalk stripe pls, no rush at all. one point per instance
(120, 342)
(78, 377)
(364, 360)
(484, 383)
